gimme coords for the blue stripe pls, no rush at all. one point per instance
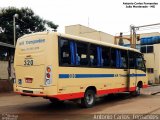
(63, 75)
(137, 75)
(96, 75)
(93, 75)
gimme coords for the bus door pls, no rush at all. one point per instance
(121, 64)
(132, 79)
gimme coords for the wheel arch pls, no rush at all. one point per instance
(92, 88)
(140, 84)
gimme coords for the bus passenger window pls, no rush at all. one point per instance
(113, 57)
(64, 52)
(93, 55)
(132, 64)
(82, 53)
(123, 58)
(106, 56)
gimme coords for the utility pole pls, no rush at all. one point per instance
(14, 28)
(133, 35)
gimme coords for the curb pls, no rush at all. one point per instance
(155, 93)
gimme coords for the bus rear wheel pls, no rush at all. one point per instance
(89, 99)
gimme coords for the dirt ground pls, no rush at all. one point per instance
(21, 107)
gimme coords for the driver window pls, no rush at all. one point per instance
(140, 62)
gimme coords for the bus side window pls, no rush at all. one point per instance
(82, 53)
(65, 58)
(113, 57)
(93, 55)
(123, 58)
(132, 64)
(106, 56)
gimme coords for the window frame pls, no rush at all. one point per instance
(88, 44)
(144, 68)
(59, 52)
(109, 58)
(88, 55)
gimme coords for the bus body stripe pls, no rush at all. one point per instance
(93, 75)
(63, 75)
(137, 75)
(96, 75)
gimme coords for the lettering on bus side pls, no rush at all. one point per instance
(29, 42)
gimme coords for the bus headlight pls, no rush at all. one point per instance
(48, 75)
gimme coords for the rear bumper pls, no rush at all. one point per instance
(44, 92)
(38, 92)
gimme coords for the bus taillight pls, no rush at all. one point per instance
(48, 76)
(48, 69)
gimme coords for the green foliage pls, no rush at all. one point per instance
(27, 22)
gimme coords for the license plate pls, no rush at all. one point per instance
(28, 80)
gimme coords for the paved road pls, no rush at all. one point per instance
(22, 107)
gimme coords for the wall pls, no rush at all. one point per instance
(157, 62)
(3, 70)
(83, 31)
(150, 63)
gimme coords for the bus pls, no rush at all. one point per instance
(62, 67)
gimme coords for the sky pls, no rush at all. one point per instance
(109, 16)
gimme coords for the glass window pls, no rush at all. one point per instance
(143, 49)
(123, 58)
(113, 57)
(82, 53)
(106, 56)
(149, 49)
(150, 70)
(118, 58)
(65, 54)
(132, 64)
(140, 62)
(93, 55)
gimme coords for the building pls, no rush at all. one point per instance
(6, 60)
(6, 66)
(83, 31)
(150, 47)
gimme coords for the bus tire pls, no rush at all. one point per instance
(89, 99)
(137, 92)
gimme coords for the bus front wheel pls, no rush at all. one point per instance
(89, 99)
(137, 92)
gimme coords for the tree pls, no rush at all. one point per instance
(27, 22)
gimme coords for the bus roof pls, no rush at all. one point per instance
(81, 39)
